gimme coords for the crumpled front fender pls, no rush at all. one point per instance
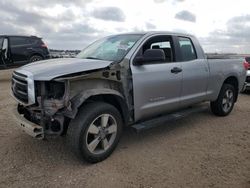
(79, 99)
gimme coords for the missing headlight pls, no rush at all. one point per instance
(54, 90)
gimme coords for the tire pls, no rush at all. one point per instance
(35, 58)
(225, 101)
(95, 122)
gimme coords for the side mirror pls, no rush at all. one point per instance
(138, 60)
(150, 55)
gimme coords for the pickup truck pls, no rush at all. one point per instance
(133, 79)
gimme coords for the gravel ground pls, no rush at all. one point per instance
(199, 151)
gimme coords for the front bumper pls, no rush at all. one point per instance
(29, 127)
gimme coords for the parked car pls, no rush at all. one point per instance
(137, 79)
(247, 87)
(20, 50)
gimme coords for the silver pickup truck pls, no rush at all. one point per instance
(134, 79)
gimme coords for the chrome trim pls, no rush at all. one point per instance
(18, 81)
(31, 87)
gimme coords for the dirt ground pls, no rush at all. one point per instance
(199, 151)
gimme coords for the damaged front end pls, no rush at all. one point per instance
(57, 101)
(47, 111)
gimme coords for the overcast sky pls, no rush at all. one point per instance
(220, 25)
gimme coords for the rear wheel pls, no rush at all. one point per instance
(95, 132)
(35, 58)
(225, 101)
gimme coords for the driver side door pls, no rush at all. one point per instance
(156, 87)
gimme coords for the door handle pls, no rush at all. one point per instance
(176, 70)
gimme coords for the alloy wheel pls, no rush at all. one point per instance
(101, 134)
(228, 100)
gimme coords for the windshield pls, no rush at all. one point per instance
(112, 48)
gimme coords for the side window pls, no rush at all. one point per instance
(18, 41)
(187, 49)
(34, 41)
(161, 45)
(159, 42)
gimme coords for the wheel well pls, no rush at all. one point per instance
(118, 102)
(234, 82)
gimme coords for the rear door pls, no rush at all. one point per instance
(156, 88)
(5, 53)
(20, 47)
(195, 73)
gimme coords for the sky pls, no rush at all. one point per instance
(222, 26)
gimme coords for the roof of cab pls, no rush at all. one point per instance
(157, 32)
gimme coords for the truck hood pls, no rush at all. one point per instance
(49, 69)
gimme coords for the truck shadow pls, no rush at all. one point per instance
(173, 127)
(55, 151)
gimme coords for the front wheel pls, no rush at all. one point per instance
(94, 133)
(225, 101)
